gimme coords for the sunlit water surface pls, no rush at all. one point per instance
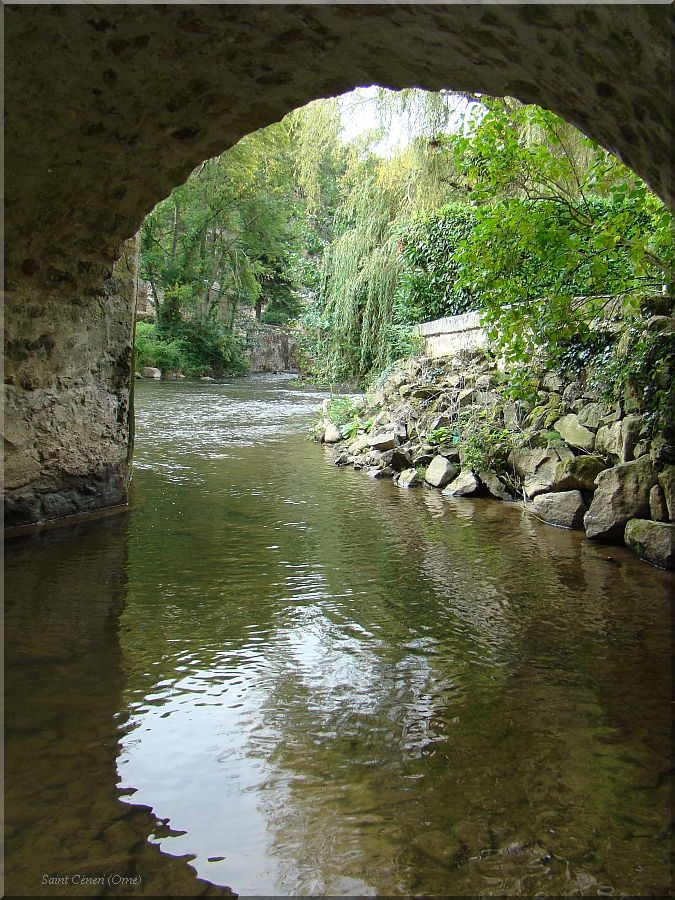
(305, 681)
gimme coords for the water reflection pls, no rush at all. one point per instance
(327, 685)
(363, 690)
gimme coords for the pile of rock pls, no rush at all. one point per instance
(576, 461)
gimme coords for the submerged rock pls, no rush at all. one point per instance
(651, 541)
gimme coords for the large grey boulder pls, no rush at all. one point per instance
(465, 484)
(563, 508)
(578, 473)
(440, 472)
(630, 435)
(667, 483)
(538, 469)
(571, 430)
(151, 372)
(622, 493)
(590, 415)
(361, 442)
(652, 541)
(399, 458)
(658, 508)
(608, 440)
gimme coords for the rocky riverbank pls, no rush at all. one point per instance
(574, 460)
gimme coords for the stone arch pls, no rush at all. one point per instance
(109, 107)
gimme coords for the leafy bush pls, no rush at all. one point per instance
(153, 351)
(342, 410)
(192, 347)
(428, 286)
(641, 363)
(485, 446)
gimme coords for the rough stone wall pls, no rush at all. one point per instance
(449, 335)
(108, 107)
(274, 351)
(67, 407)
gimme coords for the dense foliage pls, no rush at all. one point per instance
(488, 205)
(430, 283)
(224, 243)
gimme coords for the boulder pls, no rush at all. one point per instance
(152, 372)
(591, 415)
(565, 509)
(512, 413)
(361, 442)
(667, 483)
(609, 418)
(526, 461)
(651, 541)
(409, 478)
(561, 448)
(571, 430)
(440, 472)
(332, 434)
(495, 485)
(424, 391)
(386, 440)
(578, 473)
(377, 472)
(658, 508)
(399, 459)
(467, 397)
(573, 391)
(608, 440)
(622, 493)
(466, 483)
(552, 381)
(536, 467)
(630, 435)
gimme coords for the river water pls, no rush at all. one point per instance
(292, 679)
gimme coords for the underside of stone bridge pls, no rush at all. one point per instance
(108, 107)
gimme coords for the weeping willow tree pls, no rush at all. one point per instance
(357, 324)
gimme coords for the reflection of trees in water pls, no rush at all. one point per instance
(436, 706)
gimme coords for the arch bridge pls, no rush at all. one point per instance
(108, 107)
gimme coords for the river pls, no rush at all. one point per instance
(292, 679)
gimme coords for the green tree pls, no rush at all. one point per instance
(358, 322)
(564, 237)
(224, 241)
